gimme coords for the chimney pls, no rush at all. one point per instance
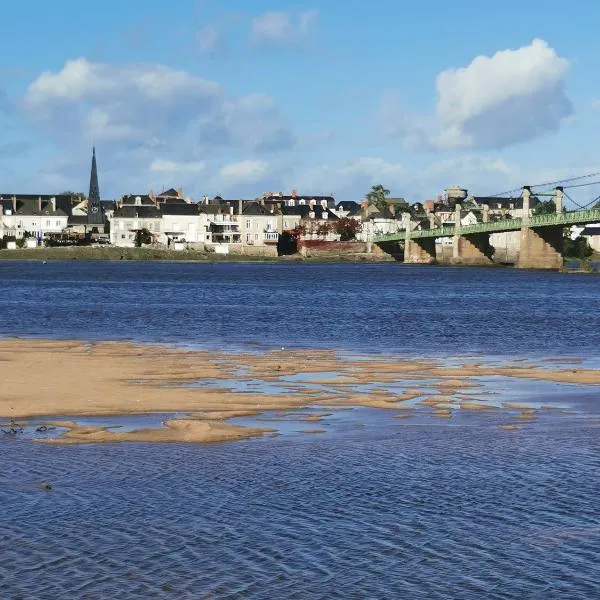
(294, 193)
(14, 204)
(231, 210)
(262, 201)
(39, 203)
(53, 203)
(240, 207)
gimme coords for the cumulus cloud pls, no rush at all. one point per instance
(510, 97)
(171, 166)
(151, 106)
(279, 27)
(246, 171)
(494, 102)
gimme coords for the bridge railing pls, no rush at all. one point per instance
(566, 218)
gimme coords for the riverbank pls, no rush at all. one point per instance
(203, 390)
(160, 254)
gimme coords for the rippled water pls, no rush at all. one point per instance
(373, 308)
(376, 507)
(404, 513)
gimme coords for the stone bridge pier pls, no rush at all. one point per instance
(540, 247)
(419, 251)
(472, 249)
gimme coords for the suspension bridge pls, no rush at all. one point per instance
(541, 235)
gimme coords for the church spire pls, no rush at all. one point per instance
(94, 212)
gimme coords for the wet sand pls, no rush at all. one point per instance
(46, 378)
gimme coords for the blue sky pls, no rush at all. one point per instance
(237, 98)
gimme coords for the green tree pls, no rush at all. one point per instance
(79, 195)
(377, 197)
(577, 248)
(347, 228)
(545, 207)
(142, 236)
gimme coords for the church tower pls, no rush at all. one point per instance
(95, 214)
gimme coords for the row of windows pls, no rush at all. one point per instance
(33, 224)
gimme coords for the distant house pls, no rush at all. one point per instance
(505, 207)
(127, 220)
(347, 208)
(38, 216)
(181, 222)
(260, 224)
(592, 234)
(221, 222)
(377, 222)
(136, 200)
(315, 221)
(295, 199)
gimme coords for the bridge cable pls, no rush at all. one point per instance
(568, 180)
(579, 205)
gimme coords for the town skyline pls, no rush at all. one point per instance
(325, 98)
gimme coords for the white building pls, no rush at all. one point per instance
(182, 222)
(127, 220)
(39, 218)
(260, 224)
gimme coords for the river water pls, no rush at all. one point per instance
(389, 510)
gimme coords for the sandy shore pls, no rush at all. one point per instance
(45, 378)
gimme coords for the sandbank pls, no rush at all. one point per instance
(47, 378)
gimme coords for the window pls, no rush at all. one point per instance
(256, 225)
(248, 236)
(324, 203)
(285, 225)
(324, 215)
(58, 223)
(291, 203)
(302, 202)
(122, 236)
(48, 223)
(256, 236)
(248, 223)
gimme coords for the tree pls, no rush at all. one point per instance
(377, 197)
(545, 207)
(79, 195)
(142, 236)
(347, 228)
(577, 248)
(323, 230)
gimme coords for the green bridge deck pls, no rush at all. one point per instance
(580, 217)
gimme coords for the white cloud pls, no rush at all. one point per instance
(106, 103)
(246, 171)
(170, 166)
(277, 27)
(510, 97)
(210, 40)
(354, 179)
(494, 102)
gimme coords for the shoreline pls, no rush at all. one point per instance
(147, 254)
(112, 253)
(45, 379)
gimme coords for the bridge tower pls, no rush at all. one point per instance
(540, 247)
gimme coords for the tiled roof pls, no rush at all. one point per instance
(137, 212)
(178, 208)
